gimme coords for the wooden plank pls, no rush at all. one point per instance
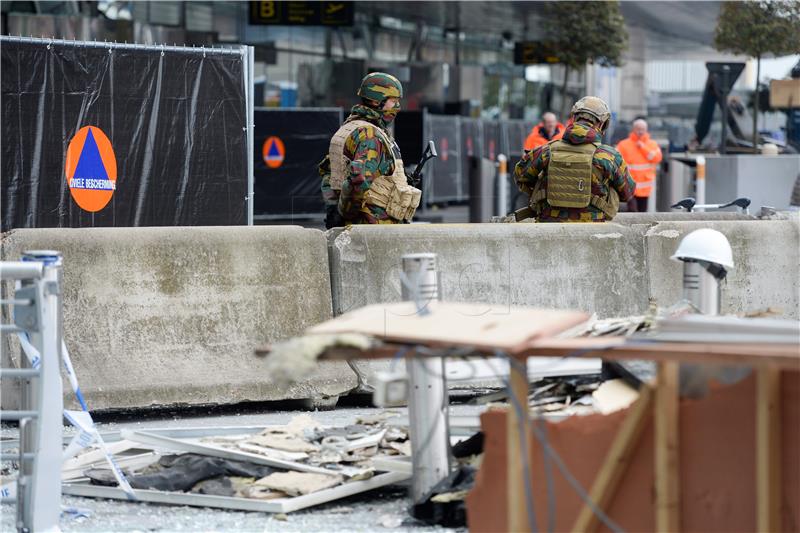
(667, 444)
(768, 450)
(782, 356)
(482, 326)
(785, 356)
(616, 461)
(516, 421)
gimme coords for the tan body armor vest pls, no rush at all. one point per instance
(569, 180)
(392, 193)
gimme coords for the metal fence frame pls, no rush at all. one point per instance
(38, 319)
(247, 54)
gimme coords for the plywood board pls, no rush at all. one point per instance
(784, 93)
(616, 462)
(481, 326)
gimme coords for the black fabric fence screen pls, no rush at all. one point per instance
(289, 144)
(101, 134)
(516, 131)
(445, 180)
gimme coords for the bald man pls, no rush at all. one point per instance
(549, 129)
(642, 155)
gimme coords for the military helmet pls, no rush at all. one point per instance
(593, 106)
(378, 86)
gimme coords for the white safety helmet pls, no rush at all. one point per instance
(707, 245)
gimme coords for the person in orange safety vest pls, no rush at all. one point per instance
(549, 129)
(642, 155)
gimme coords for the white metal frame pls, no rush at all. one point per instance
(169, 443)
(282, 505)
(248, 66)
(37, 314)
(249, 93)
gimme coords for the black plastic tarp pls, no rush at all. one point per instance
(174, 119)
(289, 144)
(409, 134)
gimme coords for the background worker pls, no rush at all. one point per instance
(363, 178)
(642, 154)
(576, 179)
(549, 129)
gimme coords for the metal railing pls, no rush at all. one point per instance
(37, 319)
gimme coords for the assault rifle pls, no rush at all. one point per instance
(522, 214)
(415, 179)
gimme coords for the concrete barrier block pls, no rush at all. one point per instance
(592, 267)
(160, 316)
(765, 254)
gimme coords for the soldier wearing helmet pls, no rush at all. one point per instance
(363, 178)
(576, 178)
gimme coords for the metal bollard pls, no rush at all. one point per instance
(427, 401)
(502, 186)
(700, 181)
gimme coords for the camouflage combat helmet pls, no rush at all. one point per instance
(594, 106)
(378, 86)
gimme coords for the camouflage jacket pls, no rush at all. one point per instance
(370, 159)
(608, 164)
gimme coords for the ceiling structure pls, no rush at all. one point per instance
(672, 29)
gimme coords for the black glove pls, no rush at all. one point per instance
(333, 219)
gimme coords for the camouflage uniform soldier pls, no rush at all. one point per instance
(363, 178)
(576, 179)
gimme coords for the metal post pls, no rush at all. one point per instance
(701, 288)
(726, 71)
(502, 185)
(427, 402)
(249, 75)
(700, 182)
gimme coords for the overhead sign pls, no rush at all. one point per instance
(91, 169)
(535, 53)
(280, 13)
(273, 152)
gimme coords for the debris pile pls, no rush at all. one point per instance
(275, 465)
